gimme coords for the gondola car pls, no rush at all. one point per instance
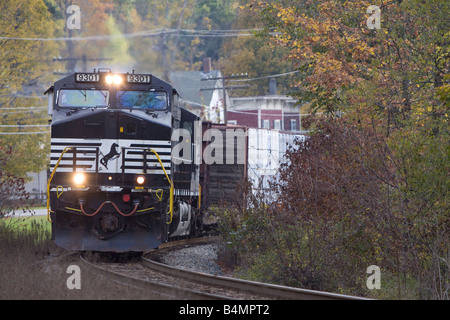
(113, 184)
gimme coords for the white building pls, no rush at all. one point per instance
(202, 92)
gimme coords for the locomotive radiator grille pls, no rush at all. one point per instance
(111, 156)
(81, 158)
(139, 159)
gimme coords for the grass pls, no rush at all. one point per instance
(33, 267)
(27, 223)
(23, 242)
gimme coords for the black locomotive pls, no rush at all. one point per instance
(114, 185)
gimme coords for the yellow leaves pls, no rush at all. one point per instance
(195, 41)
(331, 38)
(443, 92)
(314, 38)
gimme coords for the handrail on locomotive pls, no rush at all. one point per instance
(66, 149)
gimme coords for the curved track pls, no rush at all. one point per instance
(159, 284)
(170, 282)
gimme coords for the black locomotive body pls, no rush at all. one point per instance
(114, 185)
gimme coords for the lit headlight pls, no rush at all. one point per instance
(79, 178)
(113, 78)
(140, 180)
(109, 79)
(117, 79)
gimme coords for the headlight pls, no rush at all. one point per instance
(79, 178)
(117, 79)
(140, 180)
(109, 79)
(113, 78)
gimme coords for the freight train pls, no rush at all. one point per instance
(126, 168)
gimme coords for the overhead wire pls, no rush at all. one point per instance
(147, 33)
(16, 112)
(150, 33)
(265, 77)
(22, 108)
(23, 125)
(24, 133)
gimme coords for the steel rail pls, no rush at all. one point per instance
(161, 289)
(271, 291)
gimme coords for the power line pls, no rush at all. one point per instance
(150, 33)
(17, 120)
(24, 133)
(23, 125)
(100, 37)
(267, 77)
(23, 108)
(16, 112)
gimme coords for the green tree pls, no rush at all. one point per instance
(161, 51)
(256, 56)
(94, 15)
(391, 82)
(24, 68)
(117, 49)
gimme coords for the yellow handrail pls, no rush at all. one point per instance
(160, 195)
(50, 180)
(152, 150)
(171, 186)
(199, 197)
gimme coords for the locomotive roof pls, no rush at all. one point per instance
(155, 82)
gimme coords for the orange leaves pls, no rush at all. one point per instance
(398, 67)
(334, 50)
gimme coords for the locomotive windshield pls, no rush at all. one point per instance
(148, 100)
(83, 98)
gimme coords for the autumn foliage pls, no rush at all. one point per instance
(13, 196)
(369, 186)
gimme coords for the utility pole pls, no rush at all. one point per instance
(224, 88)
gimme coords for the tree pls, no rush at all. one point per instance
(23, 67)
(162, 51)
(344, 63)
(390, 83)
(94, 15)
(12, 187)
(117, 49)
(255, 56)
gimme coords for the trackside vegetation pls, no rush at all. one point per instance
(369, 186)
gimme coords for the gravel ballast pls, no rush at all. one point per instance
(200, 258)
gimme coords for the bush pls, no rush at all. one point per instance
(347, 199)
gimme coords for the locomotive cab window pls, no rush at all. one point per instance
(147, 100)
(83, 98)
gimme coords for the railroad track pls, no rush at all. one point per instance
(170, 282)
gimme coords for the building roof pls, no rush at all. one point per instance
(286, 103)
(189, 83)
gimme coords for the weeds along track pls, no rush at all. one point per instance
(168, 282)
